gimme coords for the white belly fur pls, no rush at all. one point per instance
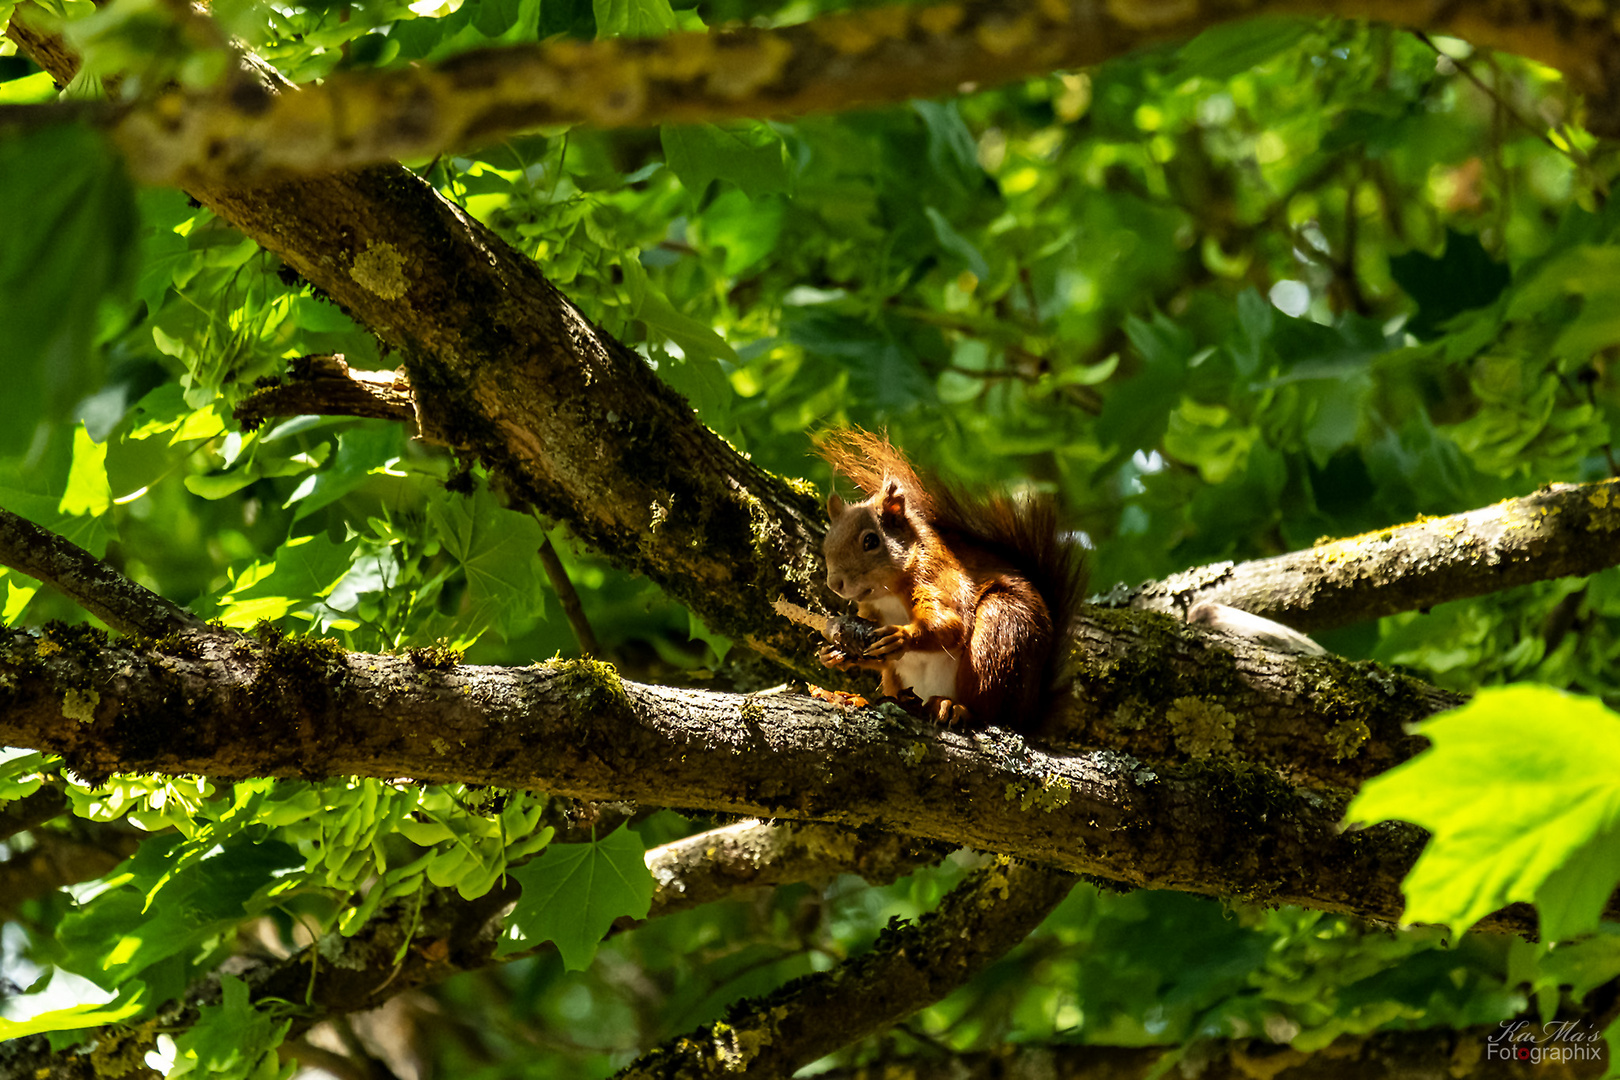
(928, 674)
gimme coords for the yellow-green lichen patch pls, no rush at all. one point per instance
(1152, 14)
(857, 32)
(752, 711)
(122, 1049)
(737, 1047)
(1051, 793)
(1130, 716)
(747, 69)
(381, 269)
(440, 747)
(80, 705)
(1201, 728)
(1605, 502)
(658, 513)
(1003, 37)
(1056, 11)
(940, 19)
(681, 57)
(914, 753)
(1348, 736)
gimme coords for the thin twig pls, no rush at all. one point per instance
(569, 598)
(102, 591)
(1463, 69)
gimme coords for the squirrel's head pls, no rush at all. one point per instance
(867, 543)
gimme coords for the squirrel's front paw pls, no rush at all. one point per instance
(889, 639)
(834, 657)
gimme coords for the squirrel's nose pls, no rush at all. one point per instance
(836, 584)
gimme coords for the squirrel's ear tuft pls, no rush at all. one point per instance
(835, 506)
(894, 499)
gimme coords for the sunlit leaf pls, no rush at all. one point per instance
(1521, 795)
(573, 893)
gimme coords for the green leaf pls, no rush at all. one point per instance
(573, 892)
(697, 341)
(231, 1040)
(361, 451)
(1135, 414)
(1462, 278)
(957, 244)
(1521, 792)
(633, 18)
(575, 18)
(126, 1004)
(746, 229)
(67, 213)
(1588, 271)
(305, 569)
(953, 152)
(496, 549)
(87, 491)
(1236, 47)
(750, 155)
(28, 90)
(154, 912)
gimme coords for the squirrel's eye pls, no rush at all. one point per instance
(869, 541)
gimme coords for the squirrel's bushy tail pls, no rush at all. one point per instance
(1024, 532)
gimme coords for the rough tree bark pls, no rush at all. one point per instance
(1195, 818)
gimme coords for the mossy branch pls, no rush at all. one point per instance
(1562, 530)
(1199, 818)
(89, 582)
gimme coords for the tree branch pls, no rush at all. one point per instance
(238, 134)
(31, 811)
(90, 582)
(325, 385)
(1206, 822)
(1562, 530)
(910, 966)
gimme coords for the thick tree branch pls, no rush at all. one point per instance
(238, 134)
(910, 966)
(325, 385)
(88, 581)
(1205, 822)
(1563, 530)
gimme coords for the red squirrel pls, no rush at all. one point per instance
(971, 595)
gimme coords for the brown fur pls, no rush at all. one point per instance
(988, 581)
